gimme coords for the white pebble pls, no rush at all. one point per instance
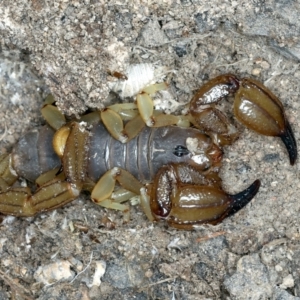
(57, 271)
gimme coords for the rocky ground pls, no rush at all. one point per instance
(81, 251)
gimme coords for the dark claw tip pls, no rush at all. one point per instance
(241, 199)
(289, 141)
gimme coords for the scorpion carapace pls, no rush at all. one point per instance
(174, 169)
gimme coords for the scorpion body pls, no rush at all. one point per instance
(175, 170)
(142, 156)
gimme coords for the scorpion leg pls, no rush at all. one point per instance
(114, 124)
(102, 192)
(138, 115)
(7, 174)
(54, 191)
(112, 118)
(48, 176)
(146, 108)
(126, 111)
(19, 201)
(51, 113)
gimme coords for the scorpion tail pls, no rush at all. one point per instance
(238, 201)
(289, 141)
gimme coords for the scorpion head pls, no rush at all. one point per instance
(184, 145)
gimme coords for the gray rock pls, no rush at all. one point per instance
(251, 280)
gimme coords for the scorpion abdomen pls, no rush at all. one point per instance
(145, 154)
(33, 155)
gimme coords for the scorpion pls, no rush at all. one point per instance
(171, 161)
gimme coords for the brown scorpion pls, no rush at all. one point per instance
(172, 166)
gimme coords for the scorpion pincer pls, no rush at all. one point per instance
(174, 169)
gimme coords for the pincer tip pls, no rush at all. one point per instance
(289, 141)
(239, 200)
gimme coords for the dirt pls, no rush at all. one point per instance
(82, 251)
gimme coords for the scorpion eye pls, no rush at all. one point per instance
(180, 151)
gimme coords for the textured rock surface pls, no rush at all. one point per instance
(71, 45)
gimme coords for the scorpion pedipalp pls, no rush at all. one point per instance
(186, 201)
(259, 109)
(255, 106)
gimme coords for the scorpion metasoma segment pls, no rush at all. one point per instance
(171, 164)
